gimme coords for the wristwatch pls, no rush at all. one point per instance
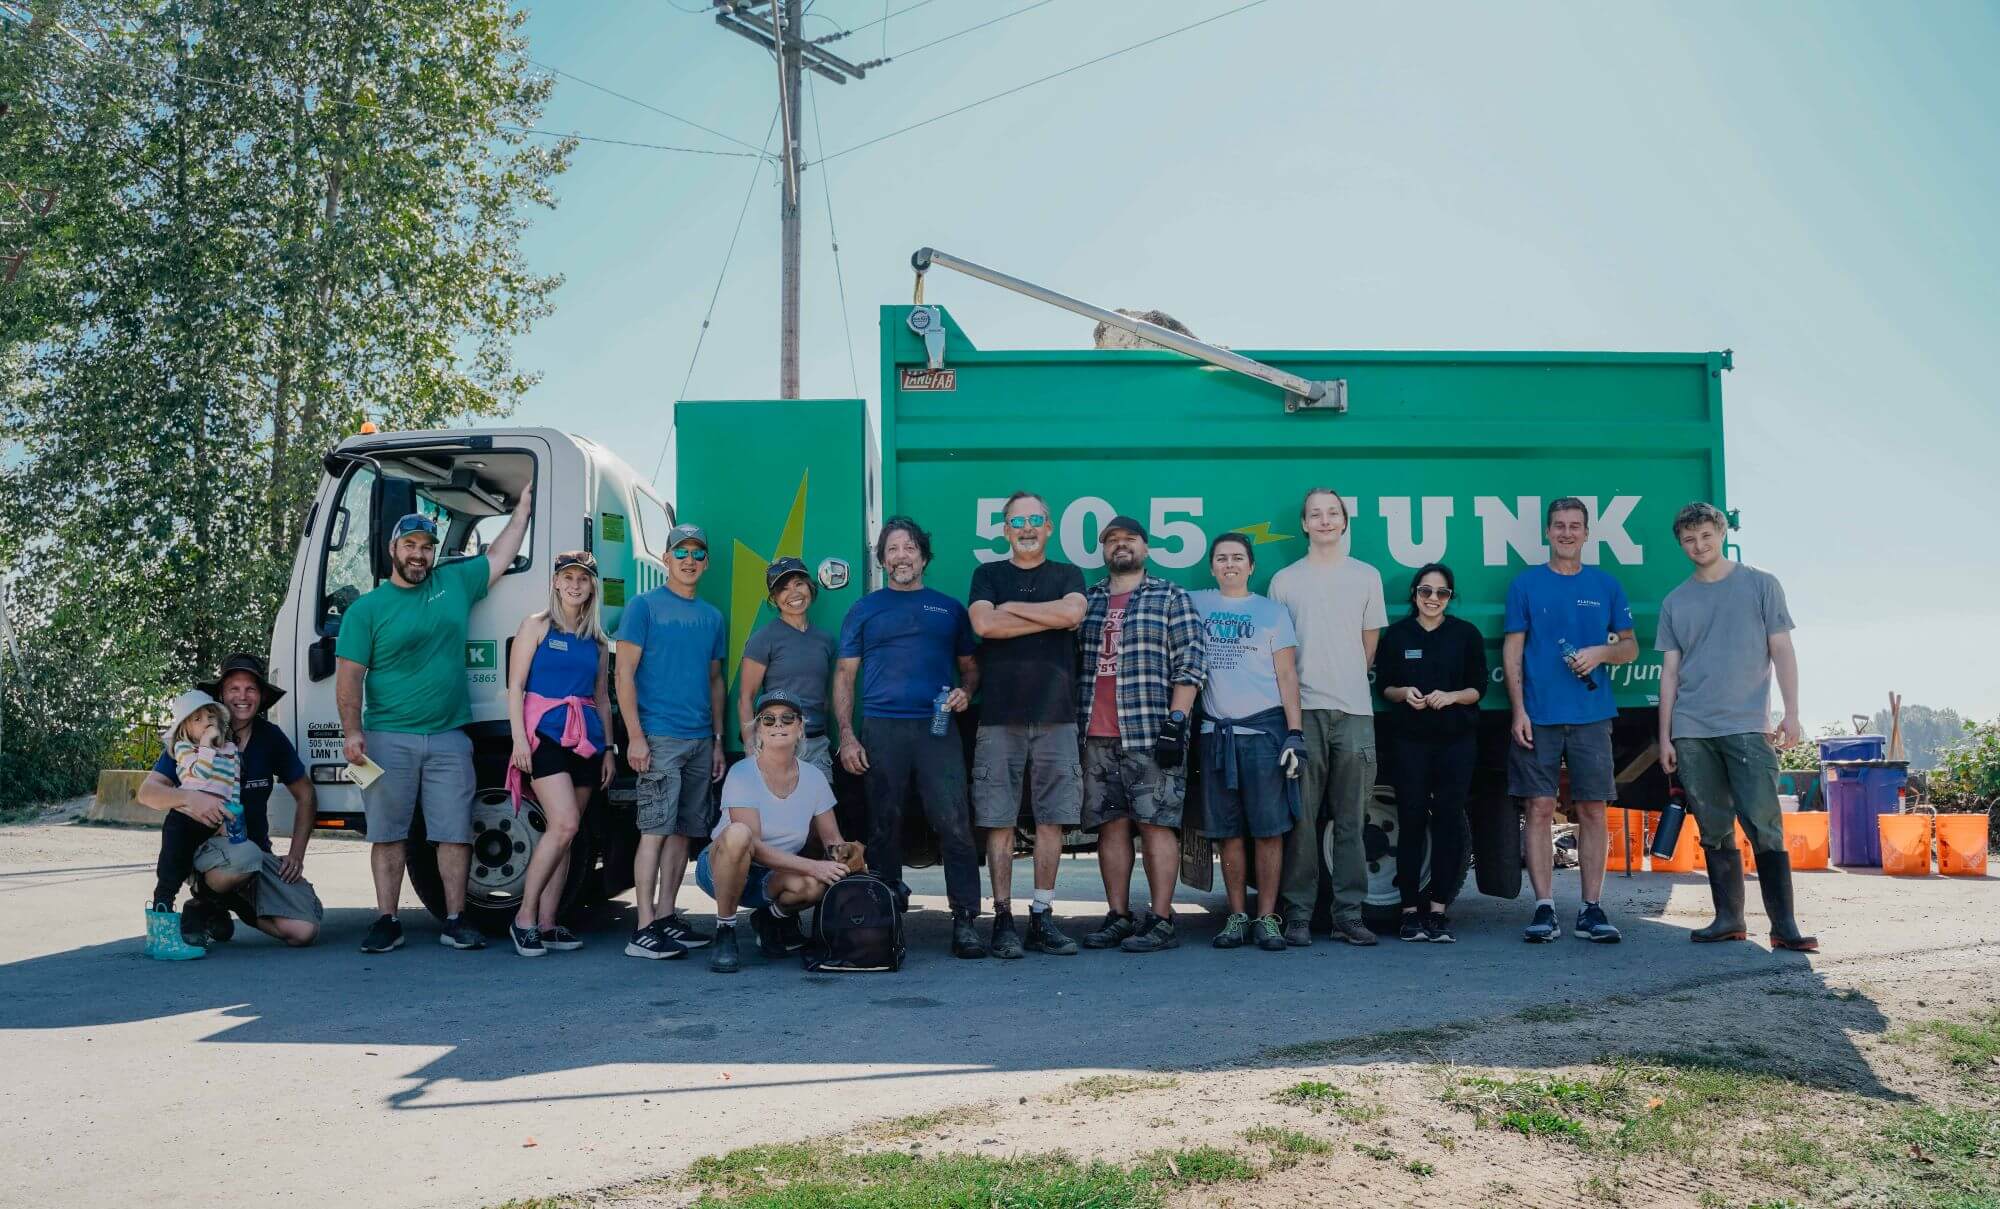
(1177, 716)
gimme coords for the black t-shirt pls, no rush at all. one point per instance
(1030, 679)
(268, 759)
(1451, 657)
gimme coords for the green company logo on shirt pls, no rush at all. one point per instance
(482, 661)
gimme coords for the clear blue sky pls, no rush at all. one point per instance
(1811, 186)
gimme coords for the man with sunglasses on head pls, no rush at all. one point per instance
(1026, 610)
(670, 691)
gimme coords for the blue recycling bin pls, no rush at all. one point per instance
(1852, 747)
(1856, 792)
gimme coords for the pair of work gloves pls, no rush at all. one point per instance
(1170, 749)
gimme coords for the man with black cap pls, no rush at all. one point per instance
(402, 649)
(1144, 659)
(789, 654)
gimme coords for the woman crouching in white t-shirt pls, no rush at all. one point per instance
(771, 804)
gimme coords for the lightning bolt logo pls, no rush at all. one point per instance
(746, 580)
(1260, 533)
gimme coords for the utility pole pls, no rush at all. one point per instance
(774, 25)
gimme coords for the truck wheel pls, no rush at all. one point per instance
(502, 843)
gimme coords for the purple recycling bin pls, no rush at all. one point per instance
(1857, 791)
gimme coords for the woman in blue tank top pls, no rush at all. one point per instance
(559, 704)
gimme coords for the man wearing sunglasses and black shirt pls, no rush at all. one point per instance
(1025, 610)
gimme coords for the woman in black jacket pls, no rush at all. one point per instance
(1432, 669)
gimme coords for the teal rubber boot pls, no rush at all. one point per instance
(163, 937)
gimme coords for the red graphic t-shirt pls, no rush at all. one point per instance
(1104, 697)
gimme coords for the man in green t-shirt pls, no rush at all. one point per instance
(402, 647)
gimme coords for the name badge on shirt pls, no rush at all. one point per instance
(558, 644)
(1413, 654)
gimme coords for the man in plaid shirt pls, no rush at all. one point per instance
(1143, 662)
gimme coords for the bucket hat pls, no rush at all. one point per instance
(183, 706)
(268, 694)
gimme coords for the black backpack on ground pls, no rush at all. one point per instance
(856, 927)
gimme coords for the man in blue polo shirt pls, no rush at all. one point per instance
(1566, 625)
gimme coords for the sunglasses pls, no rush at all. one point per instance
(1033, 520)
(682, 553)
(1426, 591)
(774, 721)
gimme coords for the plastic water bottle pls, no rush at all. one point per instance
(941, 712)
(1569, 653)
(232, 823)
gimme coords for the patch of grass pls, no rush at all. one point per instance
(1972, 1046)
(1948, 1159)
(1287, 1141)
(1421, 1040)
(1443, 1139)
(1376, 1150)
(1201, 1165)
(1311, 1093)
(925, 1122)
(1544, 1123)
(1420, 1169)
(1103, 1087)
(1552, 1013)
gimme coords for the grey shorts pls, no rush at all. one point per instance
(1120, 784)
(435, 770)
(1044, 757)
(1585, 748)
(817, 750)
(675, 797)
(216, 852)
(1260, 804)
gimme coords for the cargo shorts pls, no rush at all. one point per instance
(435, 770)
(216, 852)
(1042, 756)
(1121, 784)
(675, 796)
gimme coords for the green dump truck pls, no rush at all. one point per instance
(1444, 456)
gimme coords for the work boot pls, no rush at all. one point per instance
(965, 937)
(1725, 885)
(723, 958)
(1298, 934)
(163, 937)
(1006, 941)
(1117, 926)
(1353, 931)
(1156, 932)
(1045, 937)
(1774, 880)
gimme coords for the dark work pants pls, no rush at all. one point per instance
(902, 751)
(1432, 780)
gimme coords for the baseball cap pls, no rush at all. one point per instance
(687, 533)
(576, 558)
(783, 569)
(415, 522)
(1126, 523)
(779, 696)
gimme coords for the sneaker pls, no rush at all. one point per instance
(458, 934)
(1298, 934)
(1353, 931)
(723, 958)
(1439, 926)
(384, 934)
(1543, 928)
(1006, 941)
(965, 937)
(791, 932)
(1158, 933)
(527, 941)
(1415, 926)
(1235, 930)
(1594, 926)
(195, 920)
(654, 945)
(1268, 934)
(1117, 928)
(1045, 937)
(770, 932)
(560, 937)
(676, 928)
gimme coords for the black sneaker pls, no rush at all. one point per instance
(676, 928)
(1006, 941)
(1415, 926)
(1543, 928)
(1594, 926)
(384, 934)
(791, 932)
(527, 941)
(196, 920)
(1159, 933)
(1117, 928)
(723, 958)
(650, 943)
(560, 937)
(770, 933)
(1045, 937)
(458, 934)
(1439, 926)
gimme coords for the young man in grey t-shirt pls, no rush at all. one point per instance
(1722, 632)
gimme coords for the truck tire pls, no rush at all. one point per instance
(502, 842)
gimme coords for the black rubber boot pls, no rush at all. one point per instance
(1725, 885)
(1774, 879)
(965, 937)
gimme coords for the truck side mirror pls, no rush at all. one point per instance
(392, 500)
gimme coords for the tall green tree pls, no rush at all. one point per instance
(273, 219)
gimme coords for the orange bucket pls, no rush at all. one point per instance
(1961, 845)
(1687, 853)
(1627, 831)
(1805, 839)
(1906, 844)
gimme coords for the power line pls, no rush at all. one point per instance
(904, 54)
(647, 105)
(881, 20)
(1043, 80)
(595, 138)
(833, 237)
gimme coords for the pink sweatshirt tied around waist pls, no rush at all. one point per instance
(575, 735)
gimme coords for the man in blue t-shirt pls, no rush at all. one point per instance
(1566, 625)
(910, 643)
(670, 688)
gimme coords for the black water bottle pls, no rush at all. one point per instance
(1667, 836)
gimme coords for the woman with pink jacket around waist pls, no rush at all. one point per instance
(559, 702)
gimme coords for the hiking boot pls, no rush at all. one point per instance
(1116, 929)
(1543, 928)
(1725, 886)
(1006, 941)
(195, 919)
(163, 937)
(384, 934)
(723, 959)
(1266, 932)
(965, 937)
(653, 945)
(1235, 930)
(1774, 882)
(561, 938)
(676, 928)
(771, 938)
(527, 941)
(1415, 926)
(1298, 934)
(1158, 933)
(1044, 937)
(1439, 926)
(1353, 931)
(1596, 927)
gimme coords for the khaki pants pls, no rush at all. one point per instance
(1339, 775)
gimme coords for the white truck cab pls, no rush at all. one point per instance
(467, 480)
